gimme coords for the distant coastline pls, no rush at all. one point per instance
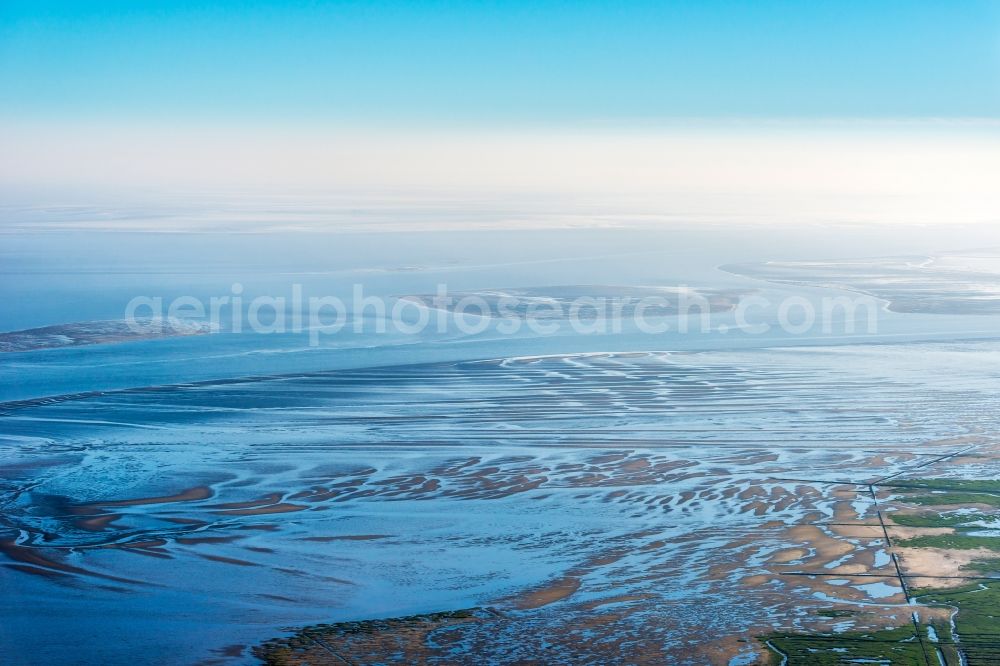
(81, 333)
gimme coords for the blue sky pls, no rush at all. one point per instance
(497, 63)
(885, 109)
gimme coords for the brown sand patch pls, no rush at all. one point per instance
(34, 558)
(756, 580)
(898, 533)
(264, 510)
(190, 495)
(149, 548)
(847, 569)
(228, 560)
(97, 523)
(183, 521)
(788, 555)
(939, 562)
(860, 530)
(827, 548)
(272, 498)
(555, 591)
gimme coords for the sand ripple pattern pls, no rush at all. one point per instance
(561, 482)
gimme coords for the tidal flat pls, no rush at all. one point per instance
(710, 496)
(580, 501)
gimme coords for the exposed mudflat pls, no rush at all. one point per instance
(647, 505)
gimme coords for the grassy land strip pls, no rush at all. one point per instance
(976, 606)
